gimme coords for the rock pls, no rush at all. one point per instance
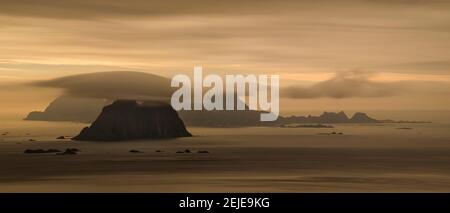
(69, 152)
(61, 138)
(360, 117)
(203, 152)
(33, 151)
(135, 151)
(31, 140)
(40, 151)
(306, 126)
(130, 120)
(331, 117)
(323, 133)
(405, 128)
(187, 151)
(158, 151)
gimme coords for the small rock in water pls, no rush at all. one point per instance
(203, 152)
(61, 138)
(33, 151)
(405, 128)
(158, 151)
(135, 151)
(333, 133)
(40, 151)
(31, 140)
(322, 133)
(187, 151)
(69, 152)
(340, 133)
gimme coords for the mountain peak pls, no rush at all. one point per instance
(333, 117)
(360, 117)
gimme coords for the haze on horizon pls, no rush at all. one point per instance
(330, 55)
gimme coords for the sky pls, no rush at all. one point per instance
(330, 54)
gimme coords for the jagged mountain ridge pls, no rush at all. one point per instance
(330, 117)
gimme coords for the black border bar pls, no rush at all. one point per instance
(158, 202)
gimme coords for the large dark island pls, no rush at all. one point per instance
(131, 120)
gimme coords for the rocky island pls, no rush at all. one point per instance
(132, 120)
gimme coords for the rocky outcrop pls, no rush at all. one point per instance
(361, 117)
(130, 120)
(330, 117)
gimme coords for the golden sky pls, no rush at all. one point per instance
(397, 44)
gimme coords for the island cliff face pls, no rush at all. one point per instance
(130, 120)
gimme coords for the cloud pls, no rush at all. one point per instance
(269, 36)
(97, 9)
(437, 67)
(113, 8)
(113, 85)
(345, 85)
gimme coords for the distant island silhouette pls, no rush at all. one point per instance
(66, 108)
(86, 110)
